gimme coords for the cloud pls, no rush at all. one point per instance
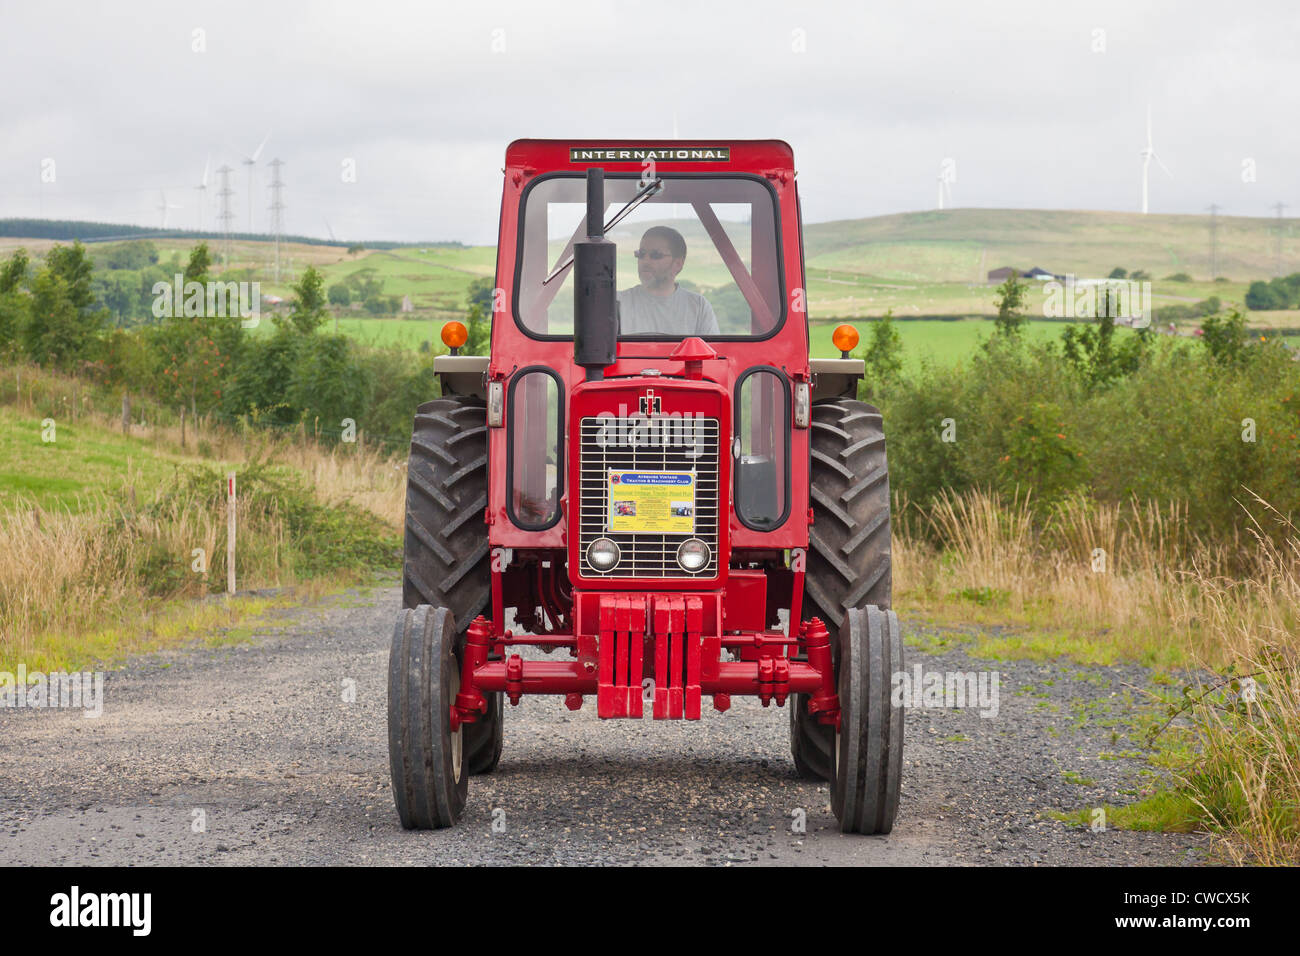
(425, 97)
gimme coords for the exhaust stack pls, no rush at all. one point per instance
(595, 302)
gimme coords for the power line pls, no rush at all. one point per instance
(1279, 207)
(277, 210)
(226, 216)
(1214, 241)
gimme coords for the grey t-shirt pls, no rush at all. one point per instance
(682, 313)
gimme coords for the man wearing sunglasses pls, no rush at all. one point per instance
(659, 306)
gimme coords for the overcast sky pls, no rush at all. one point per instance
(1038, 105)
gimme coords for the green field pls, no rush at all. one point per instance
(73, 471)
(962, 245)
(920, 265)
(436, 279)
(408, 333)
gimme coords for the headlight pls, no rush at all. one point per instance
(602, 554)
(693, 554)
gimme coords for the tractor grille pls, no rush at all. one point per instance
(613, 444)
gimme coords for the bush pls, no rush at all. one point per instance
(883, 353)
(131, 255)
(1274, 295)
(259, 383)
(1225, 337)
(1176, 426)
(400, 382)
(328, 384)
(282, 525)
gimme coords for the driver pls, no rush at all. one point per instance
(659, 305)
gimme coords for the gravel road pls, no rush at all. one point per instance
(257, 743)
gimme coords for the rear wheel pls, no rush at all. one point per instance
(446, 545)
(426, 757)
(848, 553)
(868, 750)
(484, 738)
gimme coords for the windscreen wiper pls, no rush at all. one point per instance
(650, 189)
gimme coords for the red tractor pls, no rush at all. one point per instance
(650, 473)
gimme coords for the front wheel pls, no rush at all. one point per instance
(868, 749)
(426, 757)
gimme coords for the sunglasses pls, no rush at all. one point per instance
(654, 254)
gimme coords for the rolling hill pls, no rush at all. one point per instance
(962, 245)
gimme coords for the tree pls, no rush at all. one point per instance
(1118, 273)
(328, 382)
(77, 269)
(131, 255)
(54, 335)
(14, 272)
(1093, 351)
(480, 293)
(365, 284)
(309, 309)
(118, 295)
(1225, 337)
(1010, 298)
(63, 327)
(356, 248)
(478, 321)
(480, 332)
(883, 353)
(14, 301)
(196, 270)
(340, 295)
(197, 350)
(1266, 296)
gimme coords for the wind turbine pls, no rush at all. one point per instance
(945, 182)
(164, 206)
(251, 162)
(202, 187)
(1147, 155)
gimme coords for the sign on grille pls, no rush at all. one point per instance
(662, 501)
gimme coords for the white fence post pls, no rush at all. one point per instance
(230, 532)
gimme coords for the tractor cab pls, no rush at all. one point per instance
(650, 474)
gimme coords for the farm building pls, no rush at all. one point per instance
(1001, 275)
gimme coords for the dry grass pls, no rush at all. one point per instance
(1246, 777)
(1163, 597)
(1128, 575)
(83, 584)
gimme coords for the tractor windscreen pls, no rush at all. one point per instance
(700, 256)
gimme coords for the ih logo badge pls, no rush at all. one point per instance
(651, 404)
